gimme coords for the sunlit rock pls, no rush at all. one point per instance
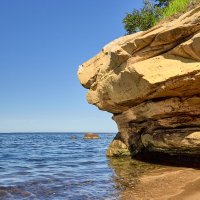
(91, 136)
(150, 81)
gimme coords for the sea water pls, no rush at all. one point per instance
(58, 166)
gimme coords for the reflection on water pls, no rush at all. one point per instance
(128, 171)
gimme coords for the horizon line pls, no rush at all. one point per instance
(66, 132)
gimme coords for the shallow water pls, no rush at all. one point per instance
(53, 166)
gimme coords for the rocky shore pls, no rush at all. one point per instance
(150, 82)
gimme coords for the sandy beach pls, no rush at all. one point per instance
(168, 183)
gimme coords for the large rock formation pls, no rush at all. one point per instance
(150, 81)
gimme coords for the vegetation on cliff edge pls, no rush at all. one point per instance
(154, 12)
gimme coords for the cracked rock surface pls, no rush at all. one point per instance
(150, 81)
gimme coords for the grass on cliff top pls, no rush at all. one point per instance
(177, 7)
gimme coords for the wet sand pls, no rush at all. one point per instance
(167, 183)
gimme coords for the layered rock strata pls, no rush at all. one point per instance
(150, 81)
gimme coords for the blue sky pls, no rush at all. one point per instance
(42, 43)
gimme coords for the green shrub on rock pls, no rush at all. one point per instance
(152, 12)
(141, 19)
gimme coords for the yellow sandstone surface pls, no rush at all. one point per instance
(150, 81)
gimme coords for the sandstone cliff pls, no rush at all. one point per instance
(150, 81)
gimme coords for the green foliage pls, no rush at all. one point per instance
(174, 7)
(150, 14)
(132, 21)
(141, 19)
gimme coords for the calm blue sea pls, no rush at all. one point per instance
(46, 166)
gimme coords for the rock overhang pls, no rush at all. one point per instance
(152, 68)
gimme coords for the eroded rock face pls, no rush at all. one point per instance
(150, 81)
